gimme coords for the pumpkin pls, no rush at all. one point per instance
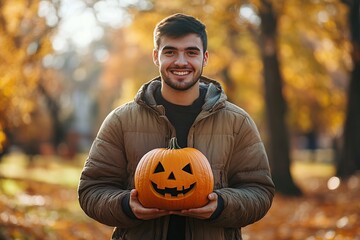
(173, 178)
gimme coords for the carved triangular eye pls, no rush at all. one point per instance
(159, 168)
(187, 168)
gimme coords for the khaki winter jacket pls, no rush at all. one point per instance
(223, 132)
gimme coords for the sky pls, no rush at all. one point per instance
(78, 24)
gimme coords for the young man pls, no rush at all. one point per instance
(182, 103)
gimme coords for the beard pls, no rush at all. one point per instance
(181, 85)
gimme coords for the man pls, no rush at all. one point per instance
(182, 103)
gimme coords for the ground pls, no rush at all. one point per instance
(38, 201)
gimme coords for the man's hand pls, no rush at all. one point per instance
(203, 212)
(144, 213)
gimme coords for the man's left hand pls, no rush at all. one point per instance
(204, 212)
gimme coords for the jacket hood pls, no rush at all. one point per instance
(215, 96)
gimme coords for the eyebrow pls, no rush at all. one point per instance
(187, 49)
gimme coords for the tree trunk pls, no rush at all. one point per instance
(275, 104)
(350, 153)
(54, 109)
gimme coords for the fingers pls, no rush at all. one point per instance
(213, 196)
(133, 194)
(141, 212)
(204, 212)
(144, 213)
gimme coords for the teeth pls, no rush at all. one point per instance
(180, 73)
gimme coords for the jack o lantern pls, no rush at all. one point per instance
(173, 178)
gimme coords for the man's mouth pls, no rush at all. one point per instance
(180, 73)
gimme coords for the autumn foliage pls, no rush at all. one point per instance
(24, 41)
(38, 198)
(314, 52)
(38, 203)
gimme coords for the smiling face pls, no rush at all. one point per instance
(180, 61)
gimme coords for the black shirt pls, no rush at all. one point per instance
(182, 118)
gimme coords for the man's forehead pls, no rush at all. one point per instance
(183, 42)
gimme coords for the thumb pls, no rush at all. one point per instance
(133, 193)
(212, 196)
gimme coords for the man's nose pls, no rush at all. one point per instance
(181, 60)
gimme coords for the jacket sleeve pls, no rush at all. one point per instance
(104, 179)
(250, 190)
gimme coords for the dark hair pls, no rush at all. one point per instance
(179, 25)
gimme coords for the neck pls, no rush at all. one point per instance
(183, 98)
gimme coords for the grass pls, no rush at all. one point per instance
(301, 170)
(47, 169)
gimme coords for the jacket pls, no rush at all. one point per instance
(223, 132)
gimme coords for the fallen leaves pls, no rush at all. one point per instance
(46, 211)
(320, 214)
(33, 209)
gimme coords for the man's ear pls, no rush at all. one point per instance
(206, 57)
(156, 57)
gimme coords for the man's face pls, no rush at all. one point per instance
(180, 61)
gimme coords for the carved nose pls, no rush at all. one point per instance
(171, 176)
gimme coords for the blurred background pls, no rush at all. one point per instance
(293, 65)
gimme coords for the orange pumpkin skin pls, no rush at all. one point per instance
(174, 178)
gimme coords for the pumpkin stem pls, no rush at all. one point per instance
(173, 144)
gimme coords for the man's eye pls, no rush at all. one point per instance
(169, 53)
(193, 53)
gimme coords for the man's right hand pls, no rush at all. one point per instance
(144, 213)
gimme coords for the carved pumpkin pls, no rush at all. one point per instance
(173, 178)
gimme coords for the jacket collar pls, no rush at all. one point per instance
(215, 96)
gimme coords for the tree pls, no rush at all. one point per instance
(279, 154)
(350, 155)
(24, 40)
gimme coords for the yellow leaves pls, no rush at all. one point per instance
(45, 46)
(314, 59)
(49, 209)
(45, 207)
(327, 54)
(142, 33)
(24, 41)
(320, 214)
(2, 138)
(13, 12)
(304, 119)
(218, 59)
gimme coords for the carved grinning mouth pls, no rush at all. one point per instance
(172, 191)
